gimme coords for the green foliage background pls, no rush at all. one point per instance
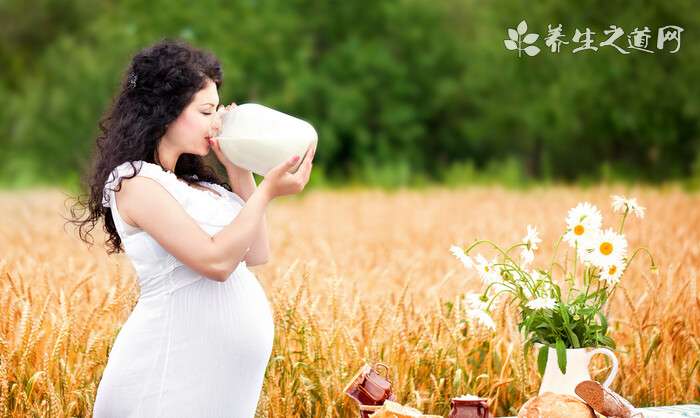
(400, 91)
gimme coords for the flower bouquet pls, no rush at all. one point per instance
(560, 303)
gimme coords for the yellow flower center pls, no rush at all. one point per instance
(579, 229)
(612, 269)
(606, 248)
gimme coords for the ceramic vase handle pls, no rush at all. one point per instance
(612, 357)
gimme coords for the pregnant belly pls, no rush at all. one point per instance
(221, 334)
(202, 318)
(232, 317)
(205, 345)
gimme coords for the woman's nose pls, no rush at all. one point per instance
(216, 124)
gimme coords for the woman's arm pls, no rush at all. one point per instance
(243, 184)
(149, 206)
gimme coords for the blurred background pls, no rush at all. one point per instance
(401, 92)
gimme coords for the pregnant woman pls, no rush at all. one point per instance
(199, 339)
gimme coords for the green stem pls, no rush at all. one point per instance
(562, 268)
(624, 216)
(575, 261)
(554, 256)
(634, 254)
(493, 299)
(505, 254)
(600, 301)
(607, 312)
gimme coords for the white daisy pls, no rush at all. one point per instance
(487, 271)
(622, 204)
(459, 253)
(607, 247)
(618, 203)
(542, 303)
(585, 250)
(473, 301)
(482, 318)
(611, 273)
(582, 222)
(636, 208)
(532, 238)
(527, 256)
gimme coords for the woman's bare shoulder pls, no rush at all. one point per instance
(139, 194)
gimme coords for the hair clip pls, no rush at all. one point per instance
(132, 80)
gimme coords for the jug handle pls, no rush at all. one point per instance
(385, 367)
(613, 358)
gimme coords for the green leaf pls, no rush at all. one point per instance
(542, 359)
(561, 355)
(607, 341)
(542, 325)
(603, 322)
(572, 336)
(557, 291)
(563, 310)
(449, 306)
(528, 345)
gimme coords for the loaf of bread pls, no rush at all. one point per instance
(395, 410)
(605, 401)
(552, 405)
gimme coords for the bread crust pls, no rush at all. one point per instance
(604, 400)
(554, 405)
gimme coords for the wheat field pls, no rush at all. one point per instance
(356, 276)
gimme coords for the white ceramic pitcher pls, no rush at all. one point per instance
(577, 361)
(258, 138)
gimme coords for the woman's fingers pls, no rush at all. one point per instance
(214, 144)
(290, 163)
(312, 154)
(305, 170)
(221, 108)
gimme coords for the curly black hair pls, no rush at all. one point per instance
(157, 86)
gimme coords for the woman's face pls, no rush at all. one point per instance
(189, 133)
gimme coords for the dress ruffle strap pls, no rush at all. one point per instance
(167, 179)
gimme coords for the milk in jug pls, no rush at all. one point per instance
(258, 138)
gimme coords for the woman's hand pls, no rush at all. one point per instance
(228, 165)
(279, 181)
(214, 142)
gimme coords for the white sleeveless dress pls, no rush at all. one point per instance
(192, 346)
